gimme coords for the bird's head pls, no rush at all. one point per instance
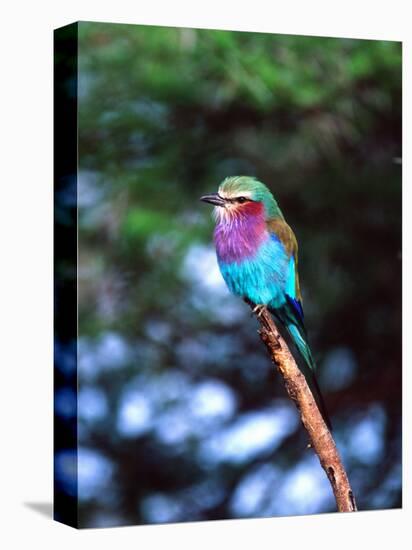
(243, 196)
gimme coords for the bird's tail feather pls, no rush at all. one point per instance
(309, 370)
(299, 338)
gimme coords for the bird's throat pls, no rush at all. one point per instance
(239, 233)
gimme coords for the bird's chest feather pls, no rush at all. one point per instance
(252, 261)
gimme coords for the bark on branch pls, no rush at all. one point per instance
(298, 390)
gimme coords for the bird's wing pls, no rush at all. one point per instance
(286, 236)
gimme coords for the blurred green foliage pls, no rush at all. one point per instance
(164, 115)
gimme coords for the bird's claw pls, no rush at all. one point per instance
(258, 310)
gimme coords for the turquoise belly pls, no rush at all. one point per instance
(262, 278)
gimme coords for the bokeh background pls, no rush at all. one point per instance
(182, 417)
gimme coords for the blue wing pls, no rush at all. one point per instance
(292, 294)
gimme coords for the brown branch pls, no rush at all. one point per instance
(298, 390)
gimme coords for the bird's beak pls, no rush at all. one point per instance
(214, 198)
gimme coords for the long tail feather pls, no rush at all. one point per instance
(297, 332)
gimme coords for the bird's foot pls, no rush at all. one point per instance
(258, 309)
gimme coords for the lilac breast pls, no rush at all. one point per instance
(240, 238)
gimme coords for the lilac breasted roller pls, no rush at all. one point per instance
(257, 253)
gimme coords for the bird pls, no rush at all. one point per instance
(257, 254)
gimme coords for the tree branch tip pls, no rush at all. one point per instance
(320, 438)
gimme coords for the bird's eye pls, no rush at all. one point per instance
(242, 200)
